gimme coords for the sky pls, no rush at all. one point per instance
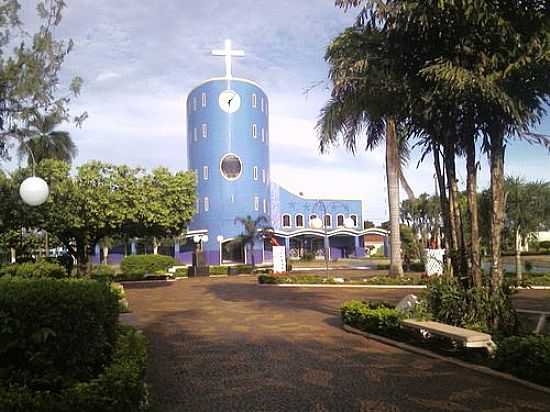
(139, 59)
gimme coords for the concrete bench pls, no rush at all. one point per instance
(468, 338)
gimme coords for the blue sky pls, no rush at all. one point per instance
(139, 59)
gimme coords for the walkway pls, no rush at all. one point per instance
(228, 345)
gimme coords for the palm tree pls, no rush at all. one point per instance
(253, 229)
(365, 101)
(45, 142)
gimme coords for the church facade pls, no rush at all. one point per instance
(228, 141)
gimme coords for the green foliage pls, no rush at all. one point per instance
(527, 357)
(308, 257)
(140, 265)
(476, 308)
(55, 332)
(545, 245)
(181, 272)
(377, 318)
(417, 267)
(240, 269)
(103, 272)
(118, 388)
(392, 280)
(320, 280)
(40, 269)
(218, 270)
(253, 231)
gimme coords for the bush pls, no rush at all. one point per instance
(417, 267)
(181, 272)
(55, 332)
(118, 388)
(136, 267)
(40, 269)
(527, 357)
(378, 318)
(218, 270)
(476, 308)
(236, 270)
(308, 257)
(545, 245)
(103, 272)
(392, 280)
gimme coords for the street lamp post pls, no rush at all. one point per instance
(219, 238)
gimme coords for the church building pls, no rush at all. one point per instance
(228, 148)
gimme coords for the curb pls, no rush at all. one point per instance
(481, 369)
(313, 285)
(300, 285)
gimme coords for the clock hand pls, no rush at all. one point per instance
(229, 101)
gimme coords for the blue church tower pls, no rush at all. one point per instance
(228, 148)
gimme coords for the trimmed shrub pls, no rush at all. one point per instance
(55, 332)
(40, 269)
(103, 272)
(527, 357)
(545, 244)
(118, 388)
(378, 318)
(136, 267)
(218, 270)
(417, 267)
(181, 272)
(237, 270)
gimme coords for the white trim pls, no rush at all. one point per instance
(203, 99)
(256, 203)
(221, 171)
(263, 176)
(255, 172)
(254, 100)
(263, 134)
(283, 220)
(205, 172)
(232, 80)
(204, 128)
(343, 220)
(296, 220)
(265, 206)
(311, 218)
(263, 104)
(206, 204)
(254, 130)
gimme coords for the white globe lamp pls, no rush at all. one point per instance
(219, 238)
(34, 191)
(196, 238)
(349, 223)
(204, 238)
(316, 223)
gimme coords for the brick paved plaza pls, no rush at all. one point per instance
(227, 344)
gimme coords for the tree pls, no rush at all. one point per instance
(365, 99)
(29, 74)
(253, 230)
(44, 142)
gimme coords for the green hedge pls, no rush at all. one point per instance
(118, 388)
(40, 269)
(322, 280)
(55, 332)
(136, 267)
(527, 357)
(377, 318)
(102, 272)
(218, 270)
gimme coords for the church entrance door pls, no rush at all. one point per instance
(232, 251)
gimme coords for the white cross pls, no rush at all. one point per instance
(228, 53)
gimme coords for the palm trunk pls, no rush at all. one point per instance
(105, 255)
(13, 255)
(471, 188)
(392, 172)
(155, 246)
(497, 206)
(46, 244)
(444, 204)
(457, 252)
(519, 268)
(405, 185)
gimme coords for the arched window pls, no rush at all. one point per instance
(328, 220)
(286, 220)
(354, 218)
(299, 220)
(340, 220)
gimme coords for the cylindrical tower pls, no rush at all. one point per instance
(228, 148)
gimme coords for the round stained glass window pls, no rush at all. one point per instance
(231, 166)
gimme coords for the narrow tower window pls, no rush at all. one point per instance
(299, 220)
(255, 172)
(254, 103)
(354, 218)
(263, 175)
(265, 206)
(340, 220)
(194, 104)
(263, 134)
(286, 220)
(205, 172)
(254, 130)
(206, 204)
(328, 220)
(256, 203)
(204, 130)
(195, 134)
(203, 99)
(262, 104)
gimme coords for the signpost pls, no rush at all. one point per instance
(279, 259)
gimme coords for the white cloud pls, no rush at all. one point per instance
(103, 76)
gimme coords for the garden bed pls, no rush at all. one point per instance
(331, 280)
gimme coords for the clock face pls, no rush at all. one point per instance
(229, 101)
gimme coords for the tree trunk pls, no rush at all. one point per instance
(155, 246)
(392, 172)
(46, 244)
(82, 258)
(497, 151)
(405, 184)
(519, 268)
(13, 255)
(252, 255)
(105, 255)
(471, 189)
(444, 204)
